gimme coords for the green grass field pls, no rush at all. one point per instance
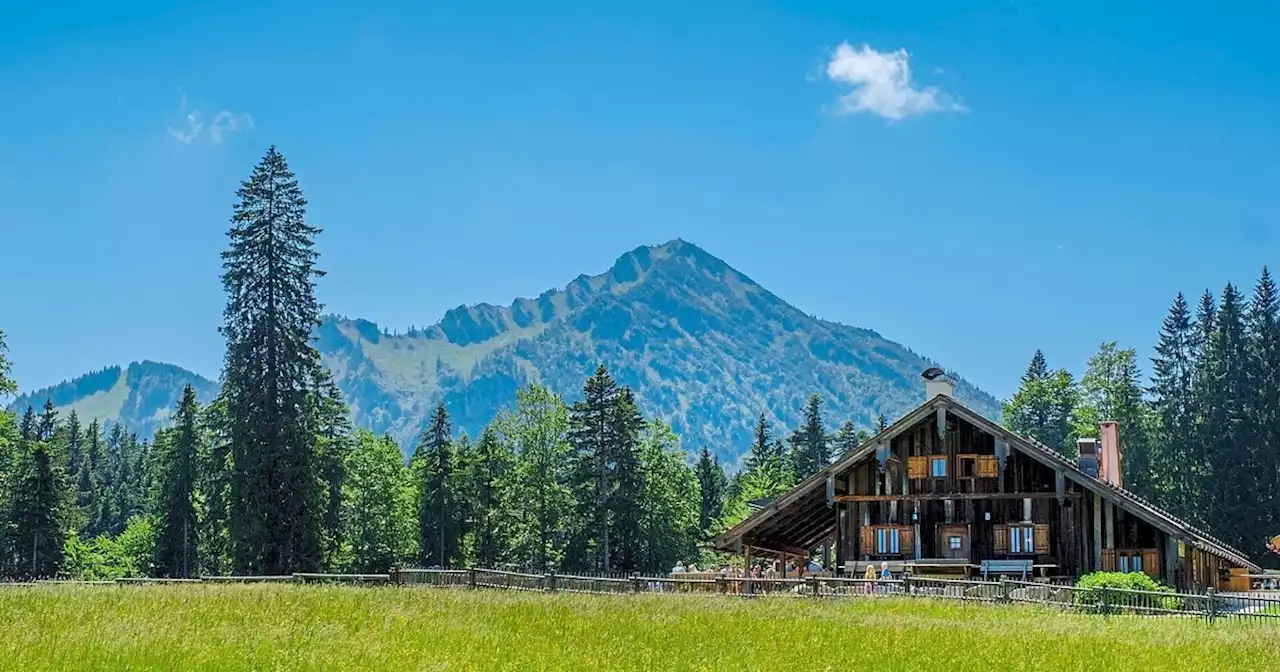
(289, 627)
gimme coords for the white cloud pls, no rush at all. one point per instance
(194, 127)
(881, 84)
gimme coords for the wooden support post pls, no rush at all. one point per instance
(1109, 518)
(1171, 561)
(1097, 532)
(471, 577)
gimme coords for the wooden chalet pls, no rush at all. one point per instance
(944, 490)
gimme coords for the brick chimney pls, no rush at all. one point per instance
(1109, 457)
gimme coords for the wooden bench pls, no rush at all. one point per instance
(856, 568)
(1022, 567)
(941, 566)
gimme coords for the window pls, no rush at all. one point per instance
(954, 543)
(1022, 539)
(967, 466)
(938, 467)
(1124, 563)
(887, 541)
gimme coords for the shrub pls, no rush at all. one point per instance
(1103, 590)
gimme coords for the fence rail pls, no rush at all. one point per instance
(1107, 601)
(1256, 605)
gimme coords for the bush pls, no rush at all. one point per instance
(106, 558)
(1102, 589)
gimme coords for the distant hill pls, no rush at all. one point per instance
(142, 396)
(703, 346)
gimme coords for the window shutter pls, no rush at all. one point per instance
(907, 540)
(1151, 562)
(867, 538)
(988, 467)
(917, 466)
(1108, 560)
(1002, 539)
(1042, 539)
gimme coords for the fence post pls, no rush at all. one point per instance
(471, 577)
(1104, 597)
(813, 583)
(394, 575)
(906, 584)
(635, 582)
(722, 585)
(549, 582)
(1005, 593)
(1213, 606)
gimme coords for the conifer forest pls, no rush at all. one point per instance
(272, 478)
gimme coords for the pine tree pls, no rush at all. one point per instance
(177, 528)
(8, 386)
(28, 428)
(591, 435)
(630, 488)
(333, 432)
(809, 443)
(1262, 407)
(1230, 493)
(269, 274)
(711, 485)
(438, 525)
(882, 423)
(38, 511)
(1174, 463)
(846, 440)
(75, 443)
(214, 474)
(762, 445)
(1044, 406)
(490, 464)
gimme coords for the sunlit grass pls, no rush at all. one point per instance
(290, 627)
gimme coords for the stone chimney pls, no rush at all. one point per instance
(1109, 457)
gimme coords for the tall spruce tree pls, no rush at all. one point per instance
(74, 442)
(1226, 359)
(177, 533)
(438, 525)
(631, 488)
(712, 484)
(1262, 410)
(809, 443)
(846, 439)
(591, 433)
(214, 474)
(38, 511)
(1174, 455)
(269, 274)
(334, 441)
(882, 423)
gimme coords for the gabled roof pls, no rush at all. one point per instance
(1125, 499)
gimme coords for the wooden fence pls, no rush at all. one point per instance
(1108, 601)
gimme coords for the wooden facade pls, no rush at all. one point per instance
(946, 489)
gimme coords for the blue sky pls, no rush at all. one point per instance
(1049, 177)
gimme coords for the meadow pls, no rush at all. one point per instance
(292, 627)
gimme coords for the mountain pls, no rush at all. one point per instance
(701, 344)
(141, 396)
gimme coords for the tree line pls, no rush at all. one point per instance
(271, 477)
(1202, 437)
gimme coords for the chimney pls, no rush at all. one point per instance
(1109, 466)
(1087, 449)
(937, 383)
